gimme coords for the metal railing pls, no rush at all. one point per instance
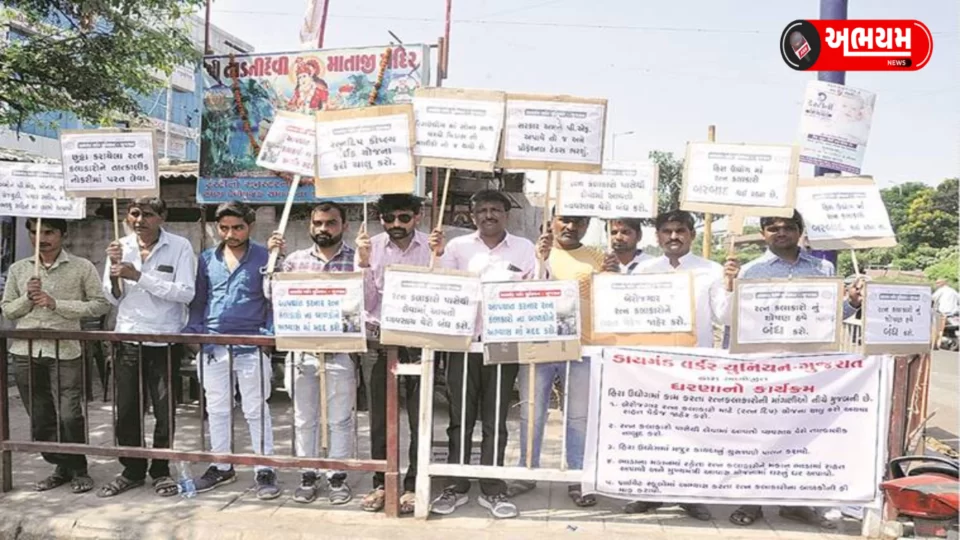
(389, 466)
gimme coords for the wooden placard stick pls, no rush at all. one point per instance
(284, 218)
(708, 217)
(532, 368)
(36, 249)
(116, 236)
(438, 226)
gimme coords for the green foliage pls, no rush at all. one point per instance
(947, 268)
(89, 57)
(929, 221)
(669, 181)
(898, 198)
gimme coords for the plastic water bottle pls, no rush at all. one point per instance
(185, 486)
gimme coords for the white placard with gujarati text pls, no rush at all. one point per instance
(290, 145)
(430, 303)
(364, 146)
(518, 311)
(843, 212)
(36, 190)
(318, 308)
(465, 129)
(738, 174)
(554, 131)
(782, 312)
(643, 303)
(706, 426)
(835, 125)
(98, 160)
(625, 189)
(897, 314)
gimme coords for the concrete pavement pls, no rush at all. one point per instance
(944, 397)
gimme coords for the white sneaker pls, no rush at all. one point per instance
(500, 506)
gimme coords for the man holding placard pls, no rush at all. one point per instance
(328, 223)
(158, 271)
(675, 234)
(495, 255)
(785, 259)
(230, 300)
(53, 293)
(625, 235)
(568, 260)
(399, 243)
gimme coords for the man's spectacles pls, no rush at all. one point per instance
(390, 218)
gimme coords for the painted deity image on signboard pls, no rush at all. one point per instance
(242, 95)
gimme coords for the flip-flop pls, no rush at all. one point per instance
(374, 501)
(578, 498)
(746, 515)
(53, 481)
(807, 515)
(165, 487)
(117, 486)
(408, 502)
(81, 483)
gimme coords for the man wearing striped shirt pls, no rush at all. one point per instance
(328, 223)
(625, 234)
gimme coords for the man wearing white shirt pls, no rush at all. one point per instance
(495, 255)
(675, 234)
(157, 271)
(945, 299)
(625, 234)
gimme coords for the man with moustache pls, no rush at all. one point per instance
(56, 296)
(569, 259)
(157, 270)
(675, 234)
(399, 243)
(230, 300)
(328, 223)
(495, 255)
(625, 234)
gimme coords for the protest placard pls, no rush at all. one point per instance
(109, 163)
(787, 315)
(644, 309)
(367, 150)
(844, 213)
(457, 128)
(897, 318)
(560, 133)
(319, 312)
(624, 189)
(436, 308)
(706, 426)
(751, 180)
(290, 145)
(524, 311)
(36, 190)
(835, 125)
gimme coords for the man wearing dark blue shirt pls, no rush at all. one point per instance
(230, 300)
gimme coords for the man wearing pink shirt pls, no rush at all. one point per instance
(399, 243)
(495, 255)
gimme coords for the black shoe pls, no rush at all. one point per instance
(267, 487)
(214, 477)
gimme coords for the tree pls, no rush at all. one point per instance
(89, 58)
(928, 223)
(670, 180)
(898, 198)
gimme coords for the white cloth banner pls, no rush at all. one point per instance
(701, 425)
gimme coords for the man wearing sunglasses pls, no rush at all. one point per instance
(399, 243)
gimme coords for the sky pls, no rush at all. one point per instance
(669, 69)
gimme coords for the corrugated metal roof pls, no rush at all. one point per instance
(13, 154)
(182, 170)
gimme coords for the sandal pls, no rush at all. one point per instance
(578, 498)
(55, 480)
(408, 502)
(374, 501)
(117, 486)
(165, 487)
(641, 507)
(807, 515)
(81, 483)
(746, 515)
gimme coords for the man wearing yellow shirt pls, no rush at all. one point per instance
(568, 260)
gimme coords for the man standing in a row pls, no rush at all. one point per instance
(150, 278)
(64, 289)
(399, 243)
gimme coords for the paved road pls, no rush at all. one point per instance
(944, 397)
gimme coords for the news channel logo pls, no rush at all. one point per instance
(800, 45)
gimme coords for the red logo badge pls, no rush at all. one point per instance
(856, 45)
